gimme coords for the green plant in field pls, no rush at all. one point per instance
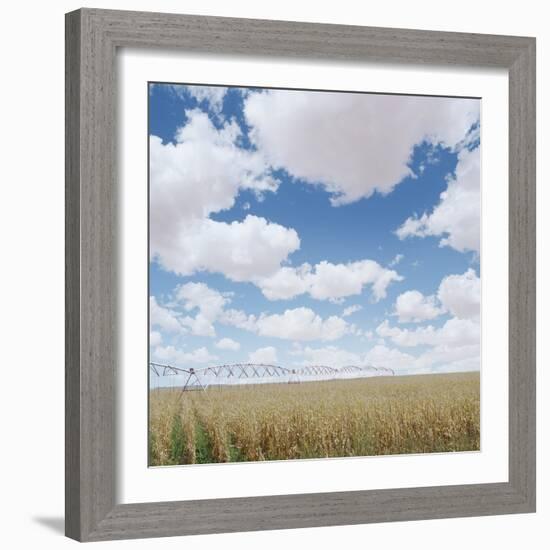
(177, 440)
(203, 445)
(153, 455)
(235, 454)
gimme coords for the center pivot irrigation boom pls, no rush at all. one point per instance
(259, 373)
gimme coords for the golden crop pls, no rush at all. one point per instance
(373, 416)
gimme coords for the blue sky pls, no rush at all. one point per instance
(302, 227)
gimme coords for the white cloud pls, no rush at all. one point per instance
(328, 281)
(440, 359)
(457, 216)
(461, 295)
(286, 283)
(453, 347)
(267, 355)
(382, 356)
(202, 173)
(163, 318)
(209, 303)
(242, 251)
(378, 356)
(155, 338)
(455, 332)
(299, 324)
(341, 280)
(413, 306)
(199, 325)
(213, 95)
(467, 364)
(200, 296)
(178, 357)
(331, 356)
(352, 144)
(396, 260)
(458, 295)
(228, 344)
(240, 319)
(450, 355)
(350, 310)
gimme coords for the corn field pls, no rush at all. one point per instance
(375, 416)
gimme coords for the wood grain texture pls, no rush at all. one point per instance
(522, 275)
(92, 37)
(72, 276)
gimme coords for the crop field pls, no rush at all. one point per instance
(369, 416)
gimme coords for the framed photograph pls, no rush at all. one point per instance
(300, 275)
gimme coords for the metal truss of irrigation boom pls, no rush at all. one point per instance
(258, 373)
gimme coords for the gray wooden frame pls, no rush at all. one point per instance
(92, 39)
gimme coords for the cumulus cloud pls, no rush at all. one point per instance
(467, 364)
(286, 283)
(299, 324)
(207, 302)
(163, 317)
(242, 251)
(379, 356)
(352, 144)
(442, 358)
(267, 355)
(458, 295)
(240, 319)
(212, 95)
(328, 281)
(413, 306)
(200, 174)
(155, 338)
(455, 358)
(461, 295)
(228, 344)
(209, 307)
(455, 332)
(456, 219)
(383, 356)
(341, 280)
(200, 296)
(195, 307)
(452, 347)
(329, 355)
(350, 310)
(181, 358)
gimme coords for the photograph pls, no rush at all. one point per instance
(314, 284)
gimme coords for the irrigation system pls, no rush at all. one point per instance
(257, 373)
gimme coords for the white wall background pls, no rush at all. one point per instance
(31, 218)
